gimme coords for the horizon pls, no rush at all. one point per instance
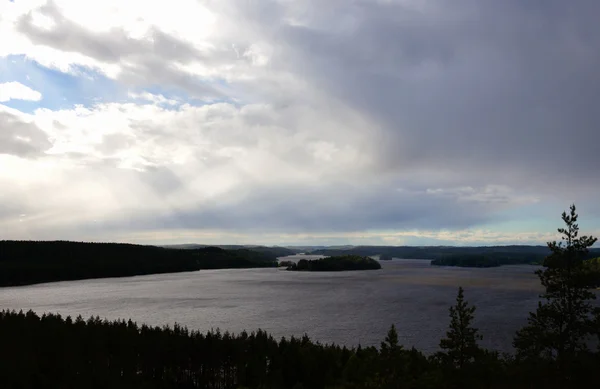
(285, 123)
(250, 245)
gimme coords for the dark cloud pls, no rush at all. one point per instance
(498, 92)
(20, 138)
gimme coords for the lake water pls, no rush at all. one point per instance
(344, 307)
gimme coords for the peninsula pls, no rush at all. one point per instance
(33, 262)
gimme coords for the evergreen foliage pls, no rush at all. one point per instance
(558, 333)
(460, 345)
(55, 352)
(338, 263)
(460, 348)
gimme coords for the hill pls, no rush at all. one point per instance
(31, 262)
(276, 251)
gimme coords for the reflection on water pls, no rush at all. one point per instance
(345, 307)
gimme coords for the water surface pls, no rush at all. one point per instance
(344, 307)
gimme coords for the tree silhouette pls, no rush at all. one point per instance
(460, 344)
(557, 333)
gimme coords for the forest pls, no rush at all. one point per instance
(484, 256)
(558, 347)
(336, 263)
(276, 251)
(477, 260)
(55, 352)
(589, 271)
(31, 262)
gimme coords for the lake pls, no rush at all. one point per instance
(345, 307)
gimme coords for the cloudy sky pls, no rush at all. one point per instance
(298, 122)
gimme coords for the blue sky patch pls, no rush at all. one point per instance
(59, 90)
(82, 87)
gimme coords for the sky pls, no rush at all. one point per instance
(282, 122)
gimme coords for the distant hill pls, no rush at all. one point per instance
(276, 251)
(31, 262)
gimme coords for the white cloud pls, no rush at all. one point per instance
(16, 91)
(153, 98)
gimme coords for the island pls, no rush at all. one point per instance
(336, 263)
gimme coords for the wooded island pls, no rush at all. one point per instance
(338, 263)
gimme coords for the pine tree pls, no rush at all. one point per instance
(460, 344)
(391, 344)
(392, 368)
(556, 333)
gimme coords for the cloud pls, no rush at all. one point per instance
(321, 118)
(137, 58)
(17, 91)
(156, 99)
(21, 138)
(504, 85)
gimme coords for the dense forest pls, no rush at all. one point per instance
(337, 263)
(55, 352)
(30, 262)
(451, 256)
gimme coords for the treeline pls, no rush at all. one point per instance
(475, 260)
(589, 272)
(275, 251)
(55, 352)
(490, 254)
(337, 263)
(30, 262)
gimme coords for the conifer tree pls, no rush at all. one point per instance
(460, 344)
(392, 368)
(560, 324)
(557, 332)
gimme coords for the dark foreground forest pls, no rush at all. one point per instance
(558, 348)
(31, 262)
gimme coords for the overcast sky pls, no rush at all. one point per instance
(397, 122)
